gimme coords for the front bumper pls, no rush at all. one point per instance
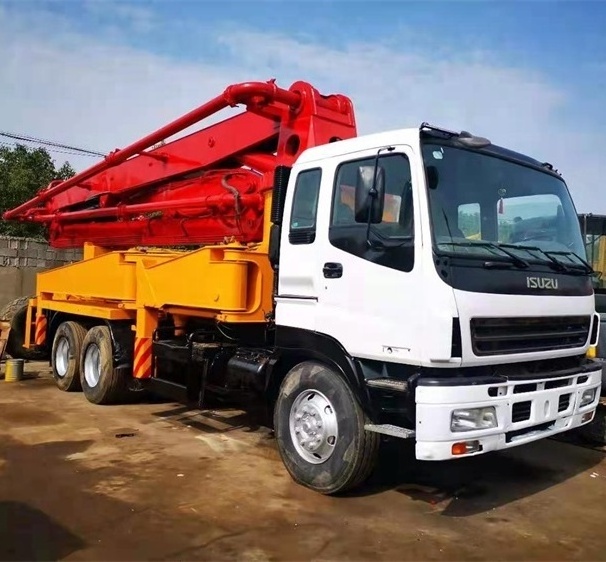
(527, 410)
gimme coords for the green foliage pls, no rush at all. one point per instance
(469, 223)
(23, 172)
(505, 231)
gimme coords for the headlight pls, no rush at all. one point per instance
(588, 396)
(471, 419)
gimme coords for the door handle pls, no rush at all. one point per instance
(332, 270)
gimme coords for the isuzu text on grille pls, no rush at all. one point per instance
(541, 283)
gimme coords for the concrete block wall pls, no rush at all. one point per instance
(28, 252)
(21, 259)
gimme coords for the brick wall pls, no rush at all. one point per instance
(27, 252)
(21, 259)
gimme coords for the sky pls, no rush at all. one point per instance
(530, 76)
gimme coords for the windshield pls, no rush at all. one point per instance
(486, 207)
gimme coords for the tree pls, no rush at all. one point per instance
(23, 172)
(469, 223)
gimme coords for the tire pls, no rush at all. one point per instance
(15, 313)
(101, 383)
(595, 431)
(331, 468)
(65, 355)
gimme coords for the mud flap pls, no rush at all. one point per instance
(5, 329)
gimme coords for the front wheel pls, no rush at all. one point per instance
(319, 426)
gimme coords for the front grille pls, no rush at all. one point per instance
(495, 336)
(558, 383)
(520, 411)
(521, 388)
(512, 435)
(563, 402)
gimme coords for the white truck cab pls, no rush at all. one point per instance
(404, 252)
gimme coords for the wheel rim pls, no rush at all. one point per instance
(62, 357)
(92, 365)
(313, 426)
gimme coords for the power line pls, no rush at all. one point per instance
(27, 138)
(30, 139)
(56, 150)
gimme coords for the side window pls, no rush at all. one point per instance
(469, 221)
(393, 239)
(305, 207)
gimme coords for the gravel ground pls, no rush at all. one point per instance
(154, 481)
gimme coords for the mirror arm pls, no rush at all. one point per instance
(373, 190)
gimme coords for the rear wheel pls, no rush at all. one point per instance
(65, 355)
(319, 426)
(101, 382)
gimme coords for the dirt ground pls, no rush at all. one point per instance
(154, 481)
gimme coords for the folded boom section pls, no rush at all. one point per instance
(201, 188)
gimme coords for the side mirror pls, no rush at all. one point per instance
(431, 173)
(368, 200)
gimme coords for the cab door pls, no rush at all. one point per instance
(298, 278)
(371, 296)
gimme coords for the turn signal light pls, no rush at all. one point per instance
(587, 417)
(466, 447)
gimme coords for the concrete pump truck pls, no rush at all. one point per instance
(358, 286)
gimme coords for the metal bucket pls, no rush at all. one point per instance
(14, 370)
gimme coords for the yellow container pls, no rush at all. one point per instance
(14, 370)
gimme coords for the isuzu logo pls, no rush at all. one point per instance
(541, 283)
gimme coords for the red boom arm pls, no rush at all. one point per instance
(201, 188)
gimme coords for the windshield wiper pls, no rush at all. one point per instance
(557, 264)
(588, 269)
(516, 260)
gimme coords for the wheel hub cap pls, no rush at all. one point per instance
(62, 357)
(313, 426)
(92, 365)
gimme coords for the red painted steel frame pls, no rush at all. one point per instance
(200, 188)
